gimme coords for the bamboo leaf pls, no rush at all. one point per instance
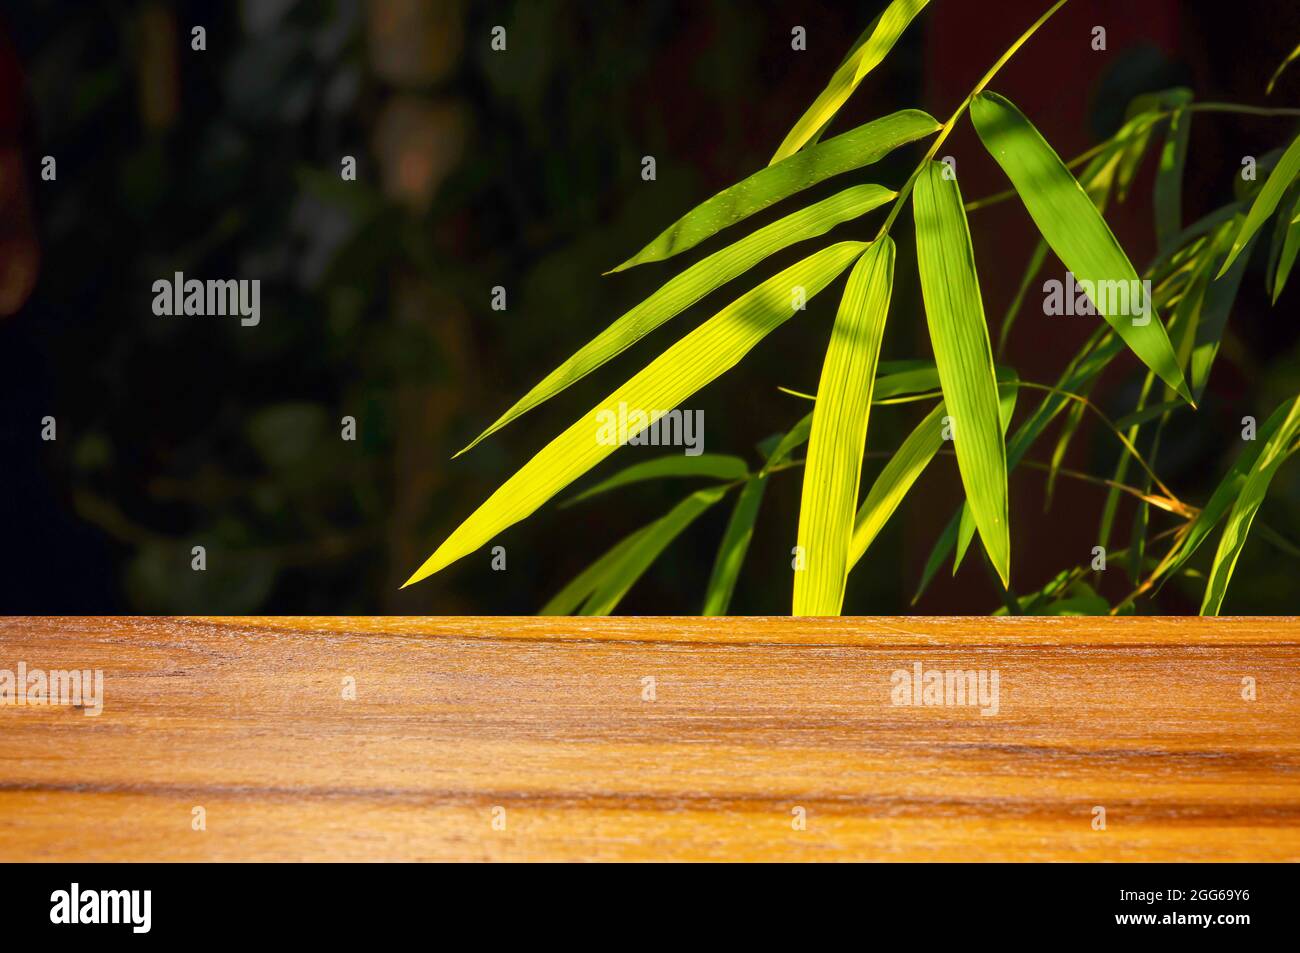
(720, 465)
(905, 467)
(1145, 414)
(1169, 174)
(1092, 359)
(1287, 242)
(794, 438)
(691, 285)
(623, 572)
(573, 595)
(851, 150)
(959, 335)
(1006, 408)
(1141, 119)
(839, 430)
(1279, 180)
(1243, 512)
(1096, 179)
(1227, 491)
(1277, 73)
(1213, 319)
(1071, 224)
(734, 546)
(711, 349)
(900, 472)
(942, 547)
(870, 49)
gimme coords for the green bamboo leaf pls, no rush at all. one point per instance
(851, 150)
(572, 596)
(1185, 240)
(734, 546)
(1287, 243)
(691, 285)
(900, 472)
(942, 547)
(839, 431)
(905, 467)
(1141, 120)
(870, 49)
(1271, 457)
(1006, 408)
(1067, 218)
(1227, 492)
(1216, 306)
(959, 335)
(894, 379)
(1097, 179)
(631, 565)
(720, 465)
(795, 438)
(711, 349)
(1146, 414)
(1277, 74)
(1279, 180)
(903, 378)
(1092, 359)
(1169, 174)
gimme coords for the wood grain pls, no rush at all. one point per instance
(751, 719)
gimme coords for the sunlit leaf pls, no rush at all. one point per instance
(1219, 297)
(710, 350)
(631, 564)
(869, 50)
(1271, 457)
(1227, 491)
(851, 150)
(959, 335)
(1071, 224)
(693, 284)
(568, 600)
(734, 546)
(833, 466)
(1006, 408)
(1279, 180)
(1092, 359)
(900, 472)
(720, 465)
(1286, 241)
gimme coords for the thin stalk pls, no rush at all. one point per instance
(1128, 445)
(906, 190)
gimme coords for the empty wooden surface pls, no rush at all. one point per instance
(545, 725)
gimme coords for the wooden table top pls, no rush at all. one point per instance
(664, 738)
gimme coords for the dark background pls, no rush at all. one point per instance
(522, 169)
